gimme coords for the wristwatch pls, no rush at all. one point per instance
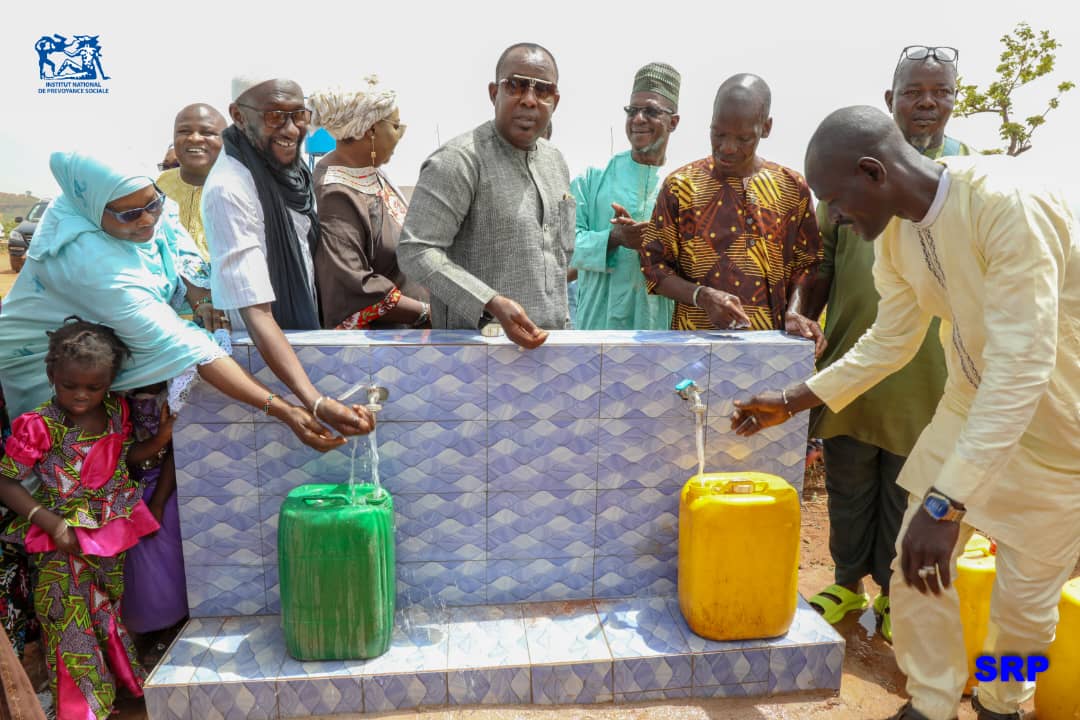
(941, 508)
(424, 316)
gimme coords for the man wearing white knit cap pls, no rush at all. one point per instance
(259, 214)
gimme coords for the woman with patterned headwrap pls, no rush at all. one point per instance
(360, 214)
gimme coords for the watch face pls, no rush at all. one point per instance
(937, 507)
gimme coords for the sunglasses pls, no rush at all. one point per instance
(162, 167)
(517, 85)
(277, 118)
(154, 207)
(652, 113)
(921, 52)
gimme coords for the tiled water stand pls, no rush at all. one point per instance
(518, 476)
(588, 651)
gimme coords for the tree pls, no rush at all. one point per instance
(1028, 56)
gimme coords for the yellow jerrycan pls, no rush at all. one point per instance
(738, 555)
(1057, 691)
(975, 571)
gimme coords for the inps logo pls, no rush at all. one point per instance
(70, 66)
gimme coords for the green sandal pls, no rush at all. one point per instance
(836, 601)
(881, 609)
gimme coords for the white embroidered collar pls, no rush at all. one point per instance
(939, 200)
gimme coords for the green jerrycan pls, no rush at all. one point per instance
(336, 565)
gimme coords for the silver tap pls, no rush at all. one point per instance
(688, 390)
(375, 395)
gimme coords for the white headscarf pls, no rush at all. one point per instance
(350, 114)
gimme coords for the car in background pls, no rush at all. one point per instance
(19, 238)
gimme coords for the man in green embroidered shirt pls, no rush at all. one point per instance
(867, 442)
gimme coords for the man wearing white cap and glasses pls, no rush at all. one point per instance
(259, 214)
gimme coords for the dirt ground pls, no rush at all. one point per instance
(872, 685)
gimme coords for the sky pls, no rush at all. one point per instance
(440, 56)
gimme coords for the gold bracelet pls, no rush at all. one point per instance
(33, 511)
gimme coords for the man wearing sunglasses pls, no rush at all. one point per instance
(866, 443)
(613, 209)
(258, 209)
(491, 223)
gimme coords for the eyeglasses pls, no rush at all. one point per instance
(516, 85)
(276, 118)
(651, 112)
(921, 52)
(398, 126)
(162, 167)
(154, 207)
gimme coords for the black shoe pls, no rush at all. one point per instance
(908, 713)
(985, 714)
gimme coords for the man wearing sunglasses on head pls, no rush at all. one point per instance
(491, 222)
(258, 210)
(866, 443)
(613, 209)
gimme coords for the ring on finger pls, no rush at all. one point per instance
(927, 570)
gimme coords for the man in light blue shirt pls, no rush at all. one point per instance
(614, 205)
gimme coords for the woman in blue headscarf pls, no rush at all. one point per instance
(111, 249)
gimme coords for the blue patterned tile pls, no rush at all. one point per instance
(639, 382)
(207, 404)
(487, 636)
(810, 667)
(641, 628)
(167, 703)
(269, 512)
(807, 628)
(490, 686)
(324, 696)
(544, 383)
(432, 382)
(545, 579)
(441, 583)
(546, 524)
(731, 668)
(234, 701)
(216, 460)
(272, 580)
(583, 683)
(440, 527)
(526, 456)
(653, 673)
(184, 655)
(398, 692)
(779, 450)
(418, 458)
(653, 695)
(332, 370)
(221, 532)
(637, 522)
(561, 632)
(636, 575)
(748, 689)
(222, 590)
(646, 453)
(286, 463)
(246, 649)
(293, 669)
(740, 371)
(419, 644)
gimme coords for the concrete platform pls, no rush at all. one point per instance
(585, 651)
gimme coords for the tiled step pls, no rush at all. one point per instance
(591, 651)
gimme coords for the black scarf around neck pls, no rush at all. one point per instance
(294, 307)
